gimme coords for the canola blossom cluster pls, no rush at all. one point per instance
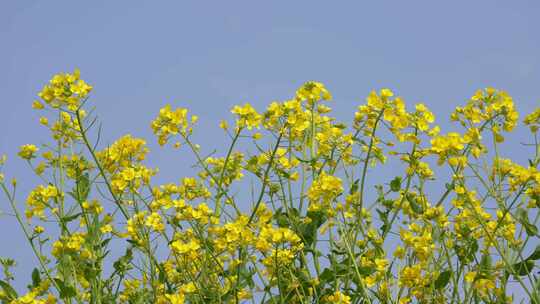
(292, 211)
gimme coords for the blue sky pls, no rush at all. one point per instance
(208, 56)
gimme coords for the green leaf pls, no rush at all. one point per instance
(472, 250)
(443, 279)
(354, 187)
(338, 251)
(65, 290)
(73, 195)
(249, 277)
(531, 230)
(395, 184)
(327, 275)
(282, 220)
(309, 231)
(417, 208)
(383, 216)
(388, 203)
(523, 268)
(537, 286)
(69, 218)
(366, 271)
(273, 300)
(523, 218)
(133, 242)
(485, 263)
(82, 188)
(10, 292)
(466, 252)
(535, 255)
(36, 279)
(105, 242)
(302, 274)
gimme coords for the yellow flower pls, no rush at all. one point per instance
(385, 93)
(338, 297)
(470, 276)
(37, 105)
(487, 105)
(64, 90)
(484, 286)
(381, 264)
(410, 276)
(39, 229)
(175, 298)
(244, 294)
(27, 151)
(155, 222)
(106, 229)
(399, 252)
(257, 136)
(312, 92)
(70, 244)
(405, 300)
(247, 117)
(123, 153)
(38, 200)
(188, 288)
(370, 280)
(533, 120)
(223, 124)
(169, 123)
(323, 191)
(43, 120)
(185, 248)
(447, 145)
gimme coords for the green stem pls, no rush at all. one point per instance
(98, 164)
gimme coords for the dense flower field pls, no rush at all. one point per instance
(284, 215)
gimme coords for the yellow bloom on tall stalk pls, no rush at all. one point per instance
(172, 122)
(65, 90)
(155, 222)
(28, 151)
(193, 241)
(270, 236)
(231, 172)
(323, 191)
(188, 249)
(71, 244)
(411, 276)
(312, 92)
(247, 117)
(232, 235)
(533, 120)
(40, 199)
(488, 106)
(482, 284)
(338, 297)
(375, 106)
(123, 153)
(448, 145)
(175, 298)
(33, 297)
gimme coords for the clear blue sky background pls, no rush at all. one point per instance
(208, 56)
